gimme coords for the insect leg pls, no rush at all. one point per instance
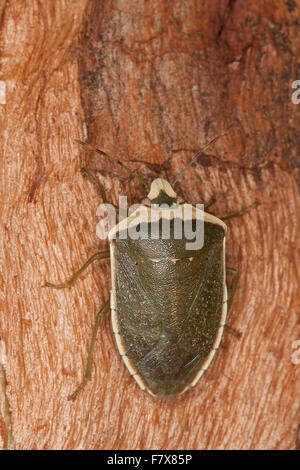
(241, 212)
(209, 203)
(88, 368)
(96, 256)
(104, 154)
(100, 188)
(235, 274)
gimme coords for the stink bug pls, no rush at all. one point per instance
(168, 303)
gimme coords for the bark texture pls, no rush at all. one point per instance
(150, 82)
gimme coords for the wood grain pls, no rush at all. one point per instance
(147, 81)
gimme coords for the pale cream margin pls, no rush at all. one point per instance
(149, 214)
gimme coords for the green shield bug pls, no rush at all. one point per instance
(169, 299)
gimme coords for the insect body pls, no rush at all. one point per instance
(168, 302)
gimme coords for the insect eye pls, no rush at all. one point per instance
(136, 263)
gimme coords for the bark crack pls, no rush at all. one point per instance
(227, 12)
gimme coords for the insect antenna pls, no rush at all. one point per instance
(104, 154)
(191, 162)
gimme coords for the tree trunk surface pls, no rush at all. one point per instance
(148, 82)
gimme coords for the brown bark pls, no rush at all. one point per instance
(147, 81)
